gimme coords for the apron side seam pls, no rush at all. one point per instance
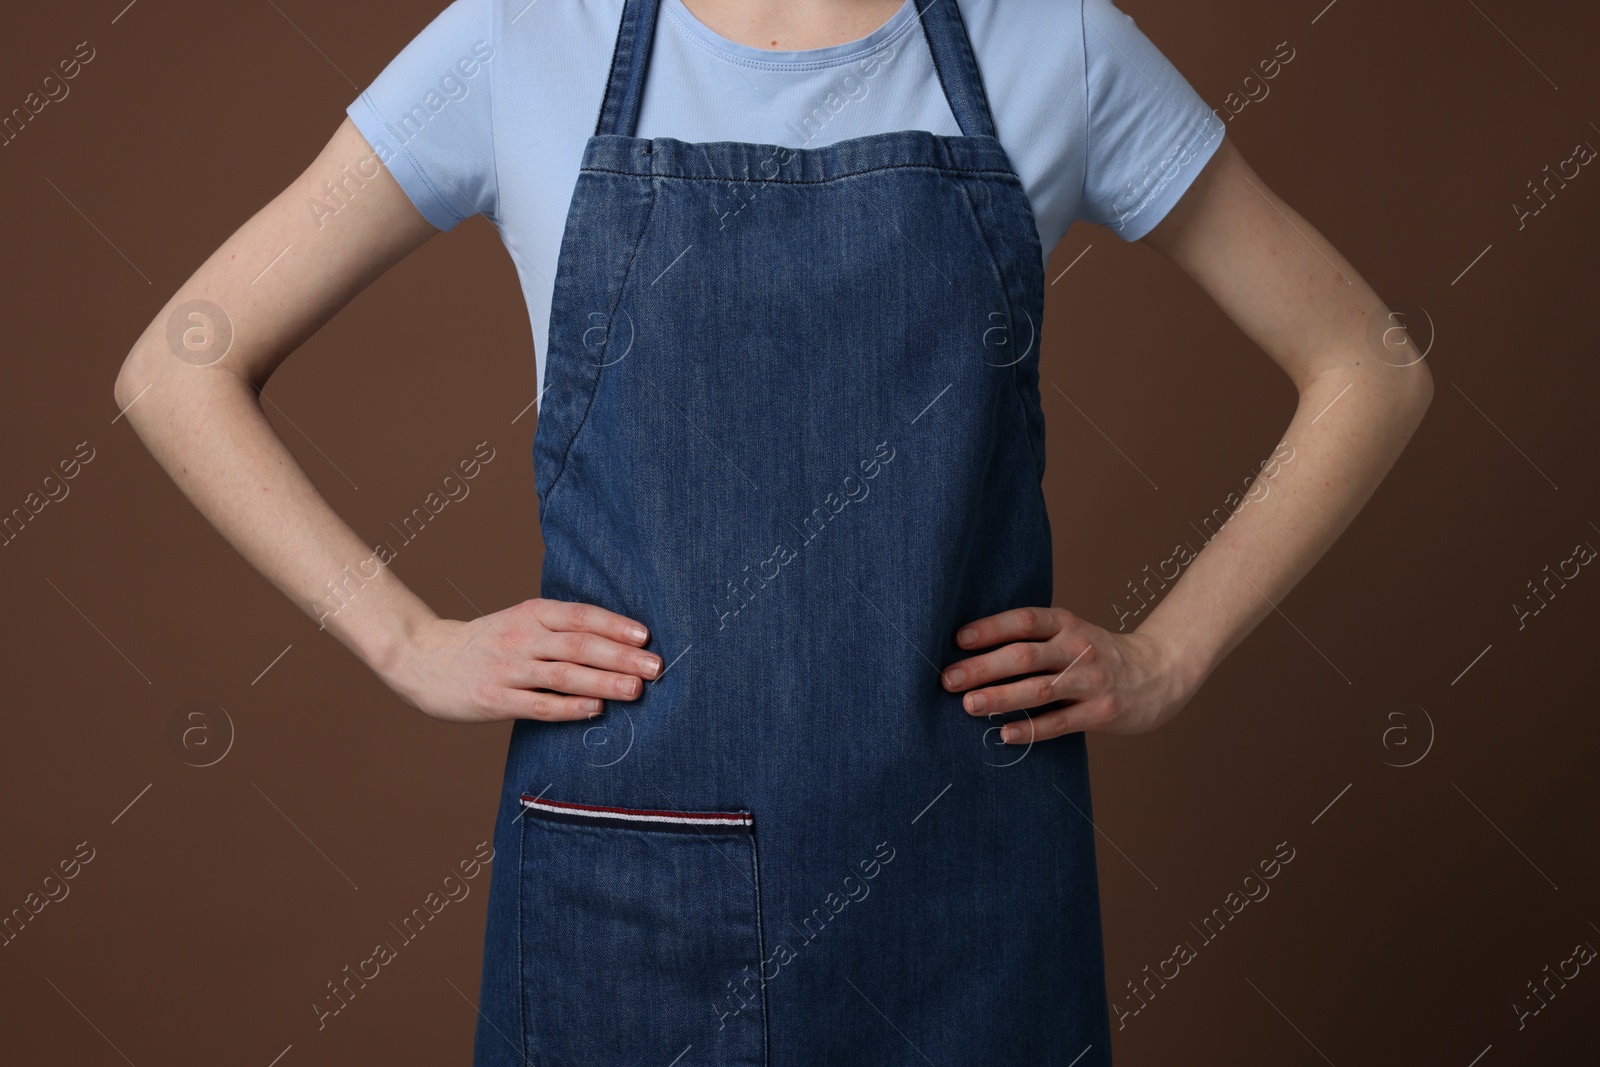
(761, 954)
(1005, 287)
(522, 990)
(627, 276)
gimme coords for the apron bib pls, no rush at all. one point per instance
(792, 425)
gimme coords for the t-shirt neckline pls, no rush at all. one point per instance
(793, 59)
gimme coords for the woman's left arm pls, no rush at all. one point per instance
(1296, 297)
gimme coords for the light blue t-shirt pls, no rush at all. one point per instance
(488, 109)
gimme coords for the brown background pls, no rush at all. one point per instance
(1421, 899)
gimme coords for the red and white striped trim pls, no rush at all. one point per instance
(637, 818)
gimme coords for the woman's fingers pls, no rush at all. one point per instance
(576, 680)
(550, 707)
(596, 651)
(1009, 661)
(1030, 692)
(1069, 719)
(1017, 624)
(581, 653)
(590, 618)
(1037, 665)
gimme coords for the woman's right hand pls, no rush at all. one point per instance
(540, 659)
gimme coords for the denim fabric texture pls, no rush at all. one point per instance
(792, 424)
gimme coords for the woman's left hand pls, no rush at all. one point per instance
(1076, 675)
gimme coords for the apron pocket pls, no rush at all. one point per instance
(640, 936)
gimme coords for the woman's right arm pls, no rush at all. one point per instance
(267, 289)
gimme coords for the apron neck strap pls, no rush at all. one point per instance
(941, 20)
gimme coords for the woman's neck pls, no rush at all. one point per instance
(793, 25)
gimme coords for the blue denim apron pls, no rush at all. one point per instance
(792, 425)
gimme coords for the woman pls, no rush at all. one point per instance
(788, 457)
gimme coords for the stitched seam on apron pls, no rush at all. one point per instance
(761, 955)
(627, 275)
(611, 73)
(522, 992)
(1000, 277)
(805, 181)
(969, 62)
(1027, 433)
(938, 69)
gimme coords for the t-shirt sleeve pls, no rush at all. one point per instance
(1149, 132)
(428, 116)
